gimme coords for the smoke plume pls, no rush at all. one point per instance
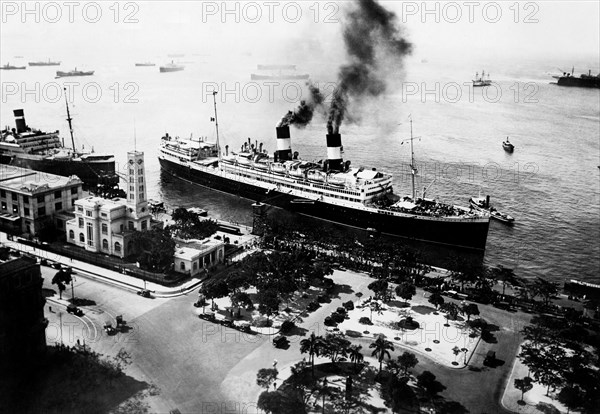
(373, 40)
(305, 111)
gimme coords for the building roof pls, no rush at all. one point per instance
(186, 253)
(104, 203)
(30, 182)
(16, 265)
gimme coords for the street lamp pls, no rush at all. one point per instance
(324, 391)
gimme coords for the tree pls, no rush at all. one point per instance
(335, 347)
(266, 376)
(381, 349)
(545, 288)
(429, 384)
(215, 290)
(268, 302)
(380, 288)
(240, 299)
(506, 276)
(407, 361)
(571, 397)
(396, 392)
(61, 279)
(313, 345)
(464, 271)
(451, 310)
(276, 402)
(153, 249)
(304, 385)
(436, 299)
(470, 309)
(355, 355)
(406, 291)
(523, 384)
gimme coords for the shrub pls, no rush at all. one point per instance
(327, 282)
(262, 322)
(365, 321)
(323, 298)
(337, 317)
(341, 310)
(349, 305)
(313, 306)
(329, 321)
(353, 334)
(287, 326)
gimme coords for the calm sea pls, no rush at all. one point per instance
(550, 184)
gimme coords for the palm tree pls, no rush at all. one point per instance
(382, 348)
(355, 355)
(313, 346)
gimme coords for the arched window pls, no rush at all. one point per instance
(105, 244)
(71, 234)
(117, 247)
(182, 266)
(81, 238)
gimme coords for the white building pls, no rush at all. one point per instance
(194, 256)
(105, 226)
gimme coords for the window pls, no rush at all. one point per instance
(105, 244)
(131, 226)
(42, 211)
(26, 212)
(131, 180)
(71, 234)
(141, 188)
(25, 200)
(103, 214)
(195, 265)
(15, 208)
(73, 190)
(88, 213)
(80, 222)
(131, 171)
(2, 193)
(117, 247)
(90, 234)
(104, 228)
(40, 198)
(14, 196)
(4, 205)
(182, 266)
(57, 194)
(144, 225)
(80, 209)
(81, 238)
(131, 188)
(141, 180)
(131, 196)
(58, 206)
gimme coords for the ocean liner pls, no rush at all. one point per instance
(583, 81)
(44, 151)
(330, 190)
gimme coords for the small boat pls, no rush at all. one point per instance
(145, 64)
(8, 66)
(483, 204)
(171, 67)
(61, 74)
(508, 147)
(44, 63)
(480, 80)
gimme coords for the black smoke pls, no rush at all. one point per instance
(305, 111)
(373, 40)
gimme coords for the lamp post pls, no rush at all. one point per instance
(324, 391)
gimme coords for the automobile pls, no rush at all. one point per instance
(490, 357)
(144, 293)
(74, 310)
(110, 330)
(280, 341)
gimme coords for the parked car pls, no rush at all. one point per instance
(74, 310)
(144, 293)
(280, 341)
(490, 358)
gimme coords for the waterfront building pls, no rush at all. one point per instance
(106, 226)
(22, 321)
(195, 256)
(31, 200)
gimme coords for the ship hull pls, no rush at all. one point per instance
(464, 234)
(88, 171)
(590, 82)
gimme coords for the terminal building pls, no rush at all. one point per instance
(106, 226)
(31, 200)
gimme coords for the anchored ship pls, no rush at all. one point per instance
(45, 151)
(48, 63)
(145, 64)
(583, 81)
(171, 67)
(330, 190)
(8, 66)
(61, 74)
(481, 80)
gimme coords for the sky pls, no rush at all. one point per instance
(558, 31)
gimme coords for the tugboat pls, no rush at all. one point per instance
(61, 74)
(330, 190)
(171, 67)
(508, 147)
(483, 204)
(583, 81)
(49, 63)
(8, 66)
(480, 80)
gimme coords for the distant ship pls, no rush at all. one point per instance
(278, 72)
(48, 63)
(171, 67)
(481, 80)
(61, 74)
(145, 64)
(508, 147)
(8, 66)
(583, 81)
(329, 190)
(45, 151)
(483, 204)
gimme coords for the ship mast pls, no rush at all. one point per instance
(413, 170)
(217, 126)
(69, 119)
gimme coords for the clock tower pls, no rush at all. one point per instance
(137, 202)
